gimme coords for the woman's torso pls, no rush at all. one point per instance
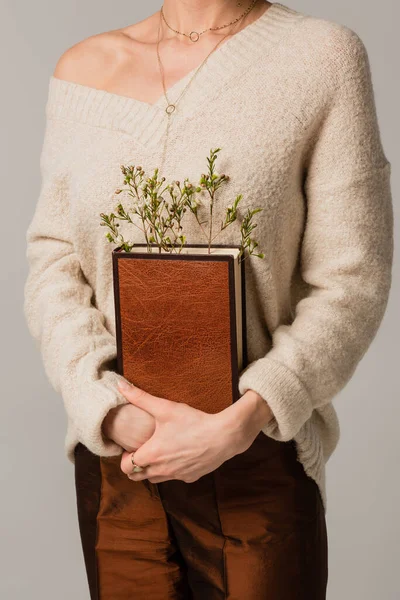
(242, 101)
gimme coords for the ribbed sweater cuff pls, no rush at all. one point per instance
(285, 394)
(89, 422)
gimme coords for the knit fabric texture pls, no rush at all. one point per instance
(289, 100)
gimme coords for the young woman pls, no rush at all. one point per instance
(173, 502)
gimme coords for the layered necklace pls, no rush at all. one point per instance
(194, 37)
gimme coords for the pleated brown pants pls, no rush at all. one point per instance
(253, 529)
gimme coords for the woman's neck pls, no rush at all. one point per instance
(188, 15)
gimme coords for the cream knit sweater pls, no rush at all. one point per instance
(289, 100)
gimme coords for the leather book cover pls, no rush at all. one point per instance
(176, 325)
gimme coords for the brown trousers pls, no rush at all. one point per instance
(253, 529)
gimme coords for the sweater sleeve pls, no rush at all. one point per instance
(76, 347)
(345, 257)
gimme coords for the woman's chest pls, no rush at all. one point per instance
(261, 155)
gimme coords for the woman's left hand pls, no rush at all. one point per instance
(188, 443)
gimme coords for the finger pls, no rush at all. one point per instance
(126, 464)
(152, 404)
(127, 460)
(149, 453)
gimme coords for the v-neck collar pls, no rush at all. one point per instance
(147, 121)
(179, 85)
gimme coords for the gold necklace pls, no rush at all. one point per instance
(194, 36)
(171, 107)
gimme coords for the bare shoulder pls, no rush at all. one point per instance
(91, 60)
(94, 60)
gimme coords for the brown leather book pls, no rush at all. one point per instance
(180, 322)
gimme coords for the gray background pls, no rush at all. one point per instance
(40, 548)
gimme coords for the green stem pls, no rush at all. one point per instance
(201, 227)
(211, 193)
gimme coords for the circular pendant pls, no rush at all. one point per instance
(194, 36)
(170, 109)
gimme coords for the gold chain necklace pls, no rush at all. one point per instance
(194, 36)
(171, 107)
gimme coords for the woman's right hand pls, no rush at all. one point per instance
(129, 426)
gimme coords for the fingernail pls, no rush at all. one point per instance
(124, 385)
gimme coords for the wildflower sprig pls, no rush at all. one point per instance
(160, 208)
(246, 229)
